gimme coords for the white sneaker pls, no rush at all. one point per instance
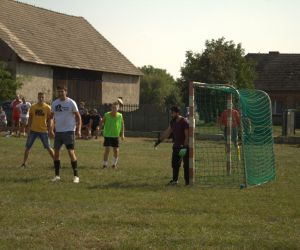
(76, 179)
(56, 178)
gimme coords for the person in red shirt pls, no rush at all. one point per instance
(15, 115)
(235, 124)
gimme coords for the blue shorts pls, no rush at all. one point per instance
(43, 137)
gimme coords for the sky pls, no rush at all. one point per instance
(159, 32)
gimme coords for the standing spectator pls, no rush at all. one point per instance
(113, 127)
(82, 108)
(66, 115)
(39, 124)
(24, 111)
(95, 123)
(15, 115)
(85, 119)
(3, 119)
(234, 124)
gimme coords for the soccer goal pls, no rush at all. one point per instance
(230, 136)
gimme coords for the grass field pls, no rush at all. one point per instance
(132, 208)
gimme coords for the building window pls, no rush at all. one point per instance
(277, 107)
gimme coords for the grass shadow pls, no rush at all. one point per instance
(19, 180)
(125, 185)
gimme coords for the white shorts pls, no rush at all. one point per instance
(24, 120)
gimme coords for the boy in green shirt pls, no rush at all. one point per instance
(113, 124)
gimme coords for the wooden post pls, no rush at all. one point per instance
(229, 133)
(191, 133)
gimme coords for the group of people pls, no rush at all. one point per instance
(62, 120)
(91, 122)
(20, 115)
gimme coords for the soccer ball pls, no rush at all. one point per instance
(120, 101)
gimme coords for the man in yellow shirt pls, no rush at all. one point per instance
(39, 124)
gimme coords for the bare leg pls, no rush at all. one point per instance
(26, 154)
(51, 152)
(72, 155)
(17, 128)
(105, 157)
(116, 157)
(22, 129)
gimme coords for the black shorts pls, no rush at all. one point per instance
(111, 142)
(67, 138)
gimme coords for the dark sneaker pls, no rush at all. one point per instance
(105, 166)
(114, 166)
(23, 165)
(172, 183)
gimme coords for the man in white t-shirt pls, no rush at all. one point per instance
(24, 108)
(66, 117)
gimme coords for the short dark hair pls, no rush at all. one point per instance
(61, 87)
(175, 109)
(41, 93)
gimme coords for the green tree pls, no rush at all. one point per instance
(221, 62)
(158, 88)
(8, 85)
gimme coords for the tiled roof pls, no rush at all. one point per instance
(276, 71)
(45, 37)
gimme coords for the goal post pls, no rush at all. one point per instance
(191, 133)
(230, 136)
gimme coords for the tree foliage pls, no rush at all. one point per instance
(221, 62)
(158, 88)
(8, 85)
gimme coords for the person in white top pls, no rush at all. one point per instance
(66, 118)
(24, 108)
(3, 119)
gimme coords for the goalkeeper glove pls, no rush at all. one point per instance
(182, 152)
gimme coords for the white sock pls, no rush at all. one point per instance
(115, 161)
(105, 163)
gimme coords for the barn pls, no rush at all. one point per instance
(46, 48)
(278, 74)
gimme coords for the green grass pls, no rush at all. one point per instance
(131, 208)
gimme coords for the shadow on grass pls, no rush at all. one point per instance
(125, 185)
(19, 180)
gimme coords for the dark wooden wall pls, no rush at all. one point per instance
(83, 85)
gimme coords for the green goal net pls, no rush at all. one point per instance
(233, 136)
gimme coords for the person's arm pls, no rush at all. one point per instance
(50, 124)
(29, 123)
(78, 122)
(164, 135)
(100, 122)
(123, 129)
